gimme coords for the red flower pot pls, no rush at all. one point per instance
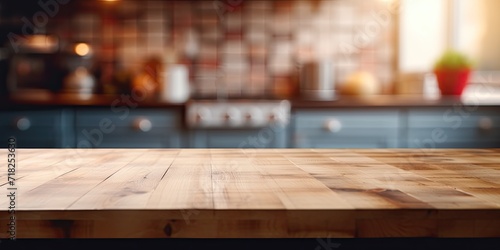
(452, 82)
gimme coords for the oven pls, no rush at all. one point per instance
(33, 63)
(238, 123)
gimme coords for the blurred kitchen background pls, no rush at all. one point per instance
(246, 73)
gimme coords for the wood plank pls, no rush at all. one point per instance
(32, 164)
(303, 192)
(130, 187)
(62, 191)
(238, 184)
(184, 185)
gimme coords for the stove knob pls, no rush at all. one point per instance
(199, 117)
(231, 115)
(202, 115)
(273, 118)
(252, 115)
(278, 115)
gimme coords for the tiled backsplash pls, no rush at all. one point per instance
(249, 48)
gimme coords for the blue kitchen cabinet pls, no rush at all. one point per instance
(453, 127)
(40, 128)
(345, 128)
(135, 128)
(101, 127)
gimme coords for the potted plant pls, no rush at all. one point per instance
(452, 71)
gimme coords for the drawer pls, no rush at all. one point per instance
(454, 128)
(151, 128)
(157, 117)
(34, 137)
(453, 118)
(24, 120)
(36, 128)
(384, 139)
(349, 129)
(351, 119)
(120, 139)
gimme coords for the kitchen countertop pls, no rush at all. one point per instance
(35, 99)
(472, 97)
(395, 101)
(213, 193)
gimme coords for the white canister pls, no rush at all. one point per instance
(175, 87)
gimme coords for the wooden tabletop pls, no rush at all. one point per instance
(135, 193)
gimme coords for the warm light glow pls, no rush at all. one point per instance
(82, 49)
(39, 40)
(42, 42)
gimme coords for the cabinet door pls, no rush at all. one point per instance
(239, 138)
(454, 127)
(37, 128)
(140, 128)
(346, 129)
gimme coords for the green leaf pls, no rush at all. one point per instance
(453, 60)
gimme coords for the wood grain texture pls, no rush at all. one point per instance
(221, 193)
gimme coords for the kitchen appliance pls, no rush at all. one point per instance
(317, 81)
(237, 113)
(33, 64)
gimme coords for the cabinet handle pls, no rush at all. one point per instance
(333, 125)
(142, 124)
(23, 123)
(485, 123)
